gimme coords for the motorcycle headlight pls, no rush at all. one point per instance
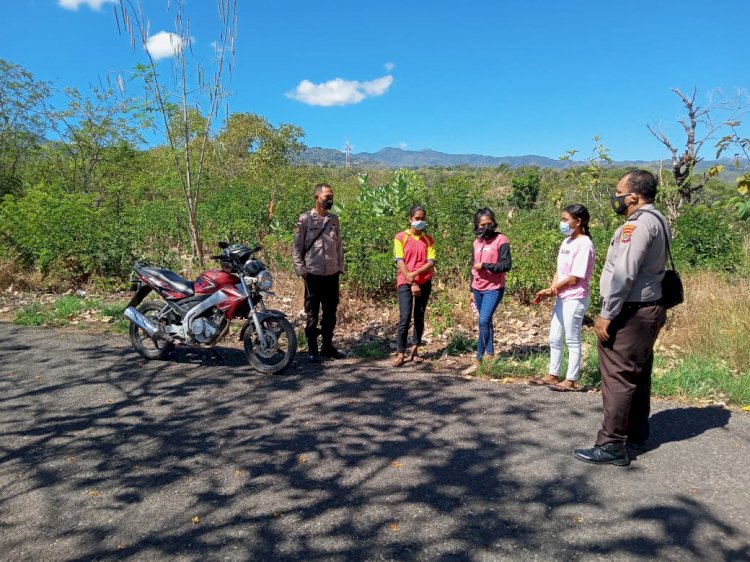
(265, 280)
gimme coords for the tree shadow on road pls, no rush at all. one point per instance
(107, 456)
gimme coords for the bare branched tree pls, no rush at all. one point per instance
(193, 95)
(700, 125)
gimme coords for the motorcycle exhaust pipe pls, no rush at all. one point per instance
(141, 321)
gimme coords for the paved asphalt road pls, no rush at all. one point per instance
(104, 456)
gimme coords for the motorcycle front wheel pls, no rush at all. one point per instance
(273, 350)
(146, 346)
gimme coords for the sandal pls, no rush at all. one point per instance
(399, 361)
(544, 381)
(415, 356)
(560, 388)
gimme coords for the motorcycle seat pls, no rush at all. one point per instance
(181, 284)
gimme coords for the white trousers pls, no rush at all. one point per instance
(567, 319)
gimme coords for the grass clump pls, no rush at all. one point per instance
(33, 314)
(376, 349)
(459, 343)
(114, 310)
(68, 306)
(702, 378)
(534, 362)
(120, 326)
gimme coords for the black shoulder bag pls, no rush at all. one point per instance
(672, 291)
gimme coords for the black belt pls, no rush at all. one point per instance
(636, 305)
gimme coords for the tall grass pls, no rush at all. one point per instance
(714, 321)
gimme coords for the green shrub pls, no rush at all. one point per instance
(705, 239)
(66, 235)
(525, 190)
(369, 225)
(534, 242)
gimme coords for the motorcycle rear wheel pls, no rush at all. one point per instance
(280, 348)
(146, 346)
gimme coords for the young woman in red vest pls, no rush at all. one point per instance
(414, 252)
(491, 261)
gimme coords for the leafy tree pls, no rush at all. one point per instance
(22, 122)
(249, 144)
(92, 131)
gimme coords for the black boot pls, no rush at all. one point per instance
(312, 345)
(611, 453)
(327, 350)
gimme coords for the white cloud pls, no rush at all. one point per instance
(389, 66)
(339, 91)
(93, 4)
(402, 145)
(163, 45)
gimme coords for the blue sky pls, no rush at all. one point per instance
(489, 77)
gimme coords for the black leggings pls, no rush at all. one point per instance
(405, 302)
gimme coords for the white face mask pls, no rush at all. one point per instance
(419, 225)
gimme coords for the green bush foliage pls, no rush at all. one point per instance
(70, 234)
(525, 190)
(705, 239)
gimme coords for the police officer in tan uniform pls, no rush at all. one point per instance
(319, 259)
(630, 320)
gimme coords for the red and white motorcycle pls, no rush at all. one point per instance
(199, 313)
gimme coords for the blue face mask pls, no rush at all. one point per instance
(566, 229)
(419, 225)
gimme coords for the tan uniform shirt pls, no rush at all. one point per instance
(635, 262)
(318, 255)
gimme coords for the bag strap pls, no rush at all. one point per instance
(666, 236)
(318, 235)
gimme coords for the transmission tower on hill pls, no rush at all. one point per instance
(348, 152)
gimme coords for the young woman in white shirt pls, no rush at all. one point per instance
(570, 286)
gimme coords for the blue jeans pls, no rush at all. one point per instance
(486, 303)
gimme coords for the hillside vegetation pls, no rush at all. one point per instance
(82, 197)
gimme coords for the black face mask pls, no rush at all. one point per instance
(327, 204)
(485, 231)
(618, 203)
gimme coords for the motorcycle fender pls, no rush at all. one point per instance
(139, 295)
(268, 313)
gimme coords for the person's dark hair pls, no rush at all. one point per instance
(320, 187)
(484, 212)
(581, 213)
(644, 183)
(414, 209)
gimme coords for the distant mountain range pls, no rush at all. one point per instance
(399, 158)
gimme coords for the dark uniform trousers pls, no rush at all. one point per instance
(625, 362)
(321, 291)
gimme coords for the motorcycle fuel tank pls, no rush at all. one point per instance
(213, 280)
